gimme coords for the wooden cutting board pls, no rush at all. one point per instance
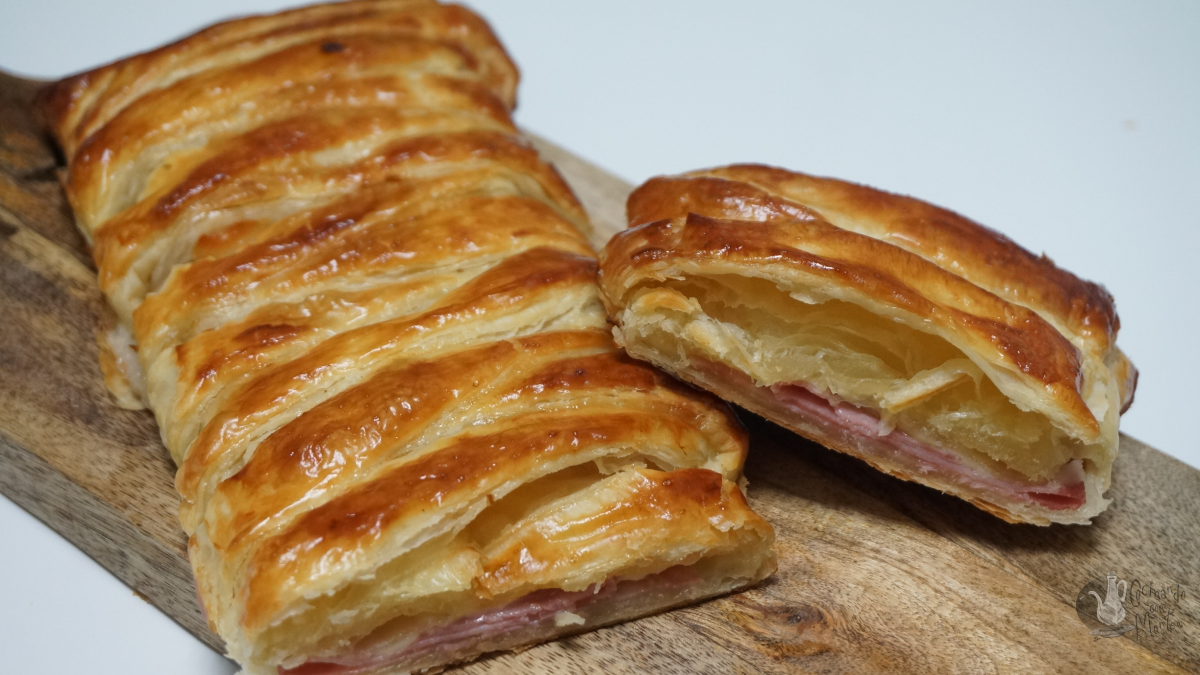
(875, 575)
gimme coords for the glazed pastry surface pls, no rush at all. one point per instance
(364, 313)
(930, 346)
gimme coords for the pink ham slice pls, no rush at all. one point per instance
(867, 432)
(536, 607)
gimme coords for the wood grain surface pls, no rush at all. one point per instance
(875, 575)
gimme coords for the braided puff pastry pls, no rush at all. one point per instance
(925, 344)
(364, 313)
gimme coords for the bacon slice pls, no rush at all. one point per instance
(537, 607)
(866, 431)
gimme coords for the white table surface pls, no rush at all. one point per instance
(1072, 127)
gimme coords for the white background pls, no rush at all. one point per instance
(1072, 127)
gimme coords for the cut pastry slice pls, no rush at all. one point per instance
(881, 326)
(365, 315)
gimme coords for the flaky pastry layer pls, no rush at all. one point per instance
(364, 313)
(882, 326)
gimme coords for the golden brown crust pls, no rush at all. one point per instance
(79, 105)
(694, 495)
(1010, 335)
(335, 533)
(368, 321)
(329, 434)
(1045, 338)
(298, 263)
(285, 84)
(998, 297)
(961, 246)
(237, 182)
(496, 294)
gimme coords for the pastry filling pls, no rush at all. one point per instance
(536, 615)
(880, 386)
(863, 429)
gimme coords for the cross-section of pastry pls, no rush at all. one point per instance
(881, 326)
(364, 313)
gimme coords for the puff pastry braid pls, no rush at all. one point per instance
(923, 343)
(365, 315)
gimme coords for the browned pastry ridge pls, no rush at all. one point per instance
(364, 313)
(881, 326)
